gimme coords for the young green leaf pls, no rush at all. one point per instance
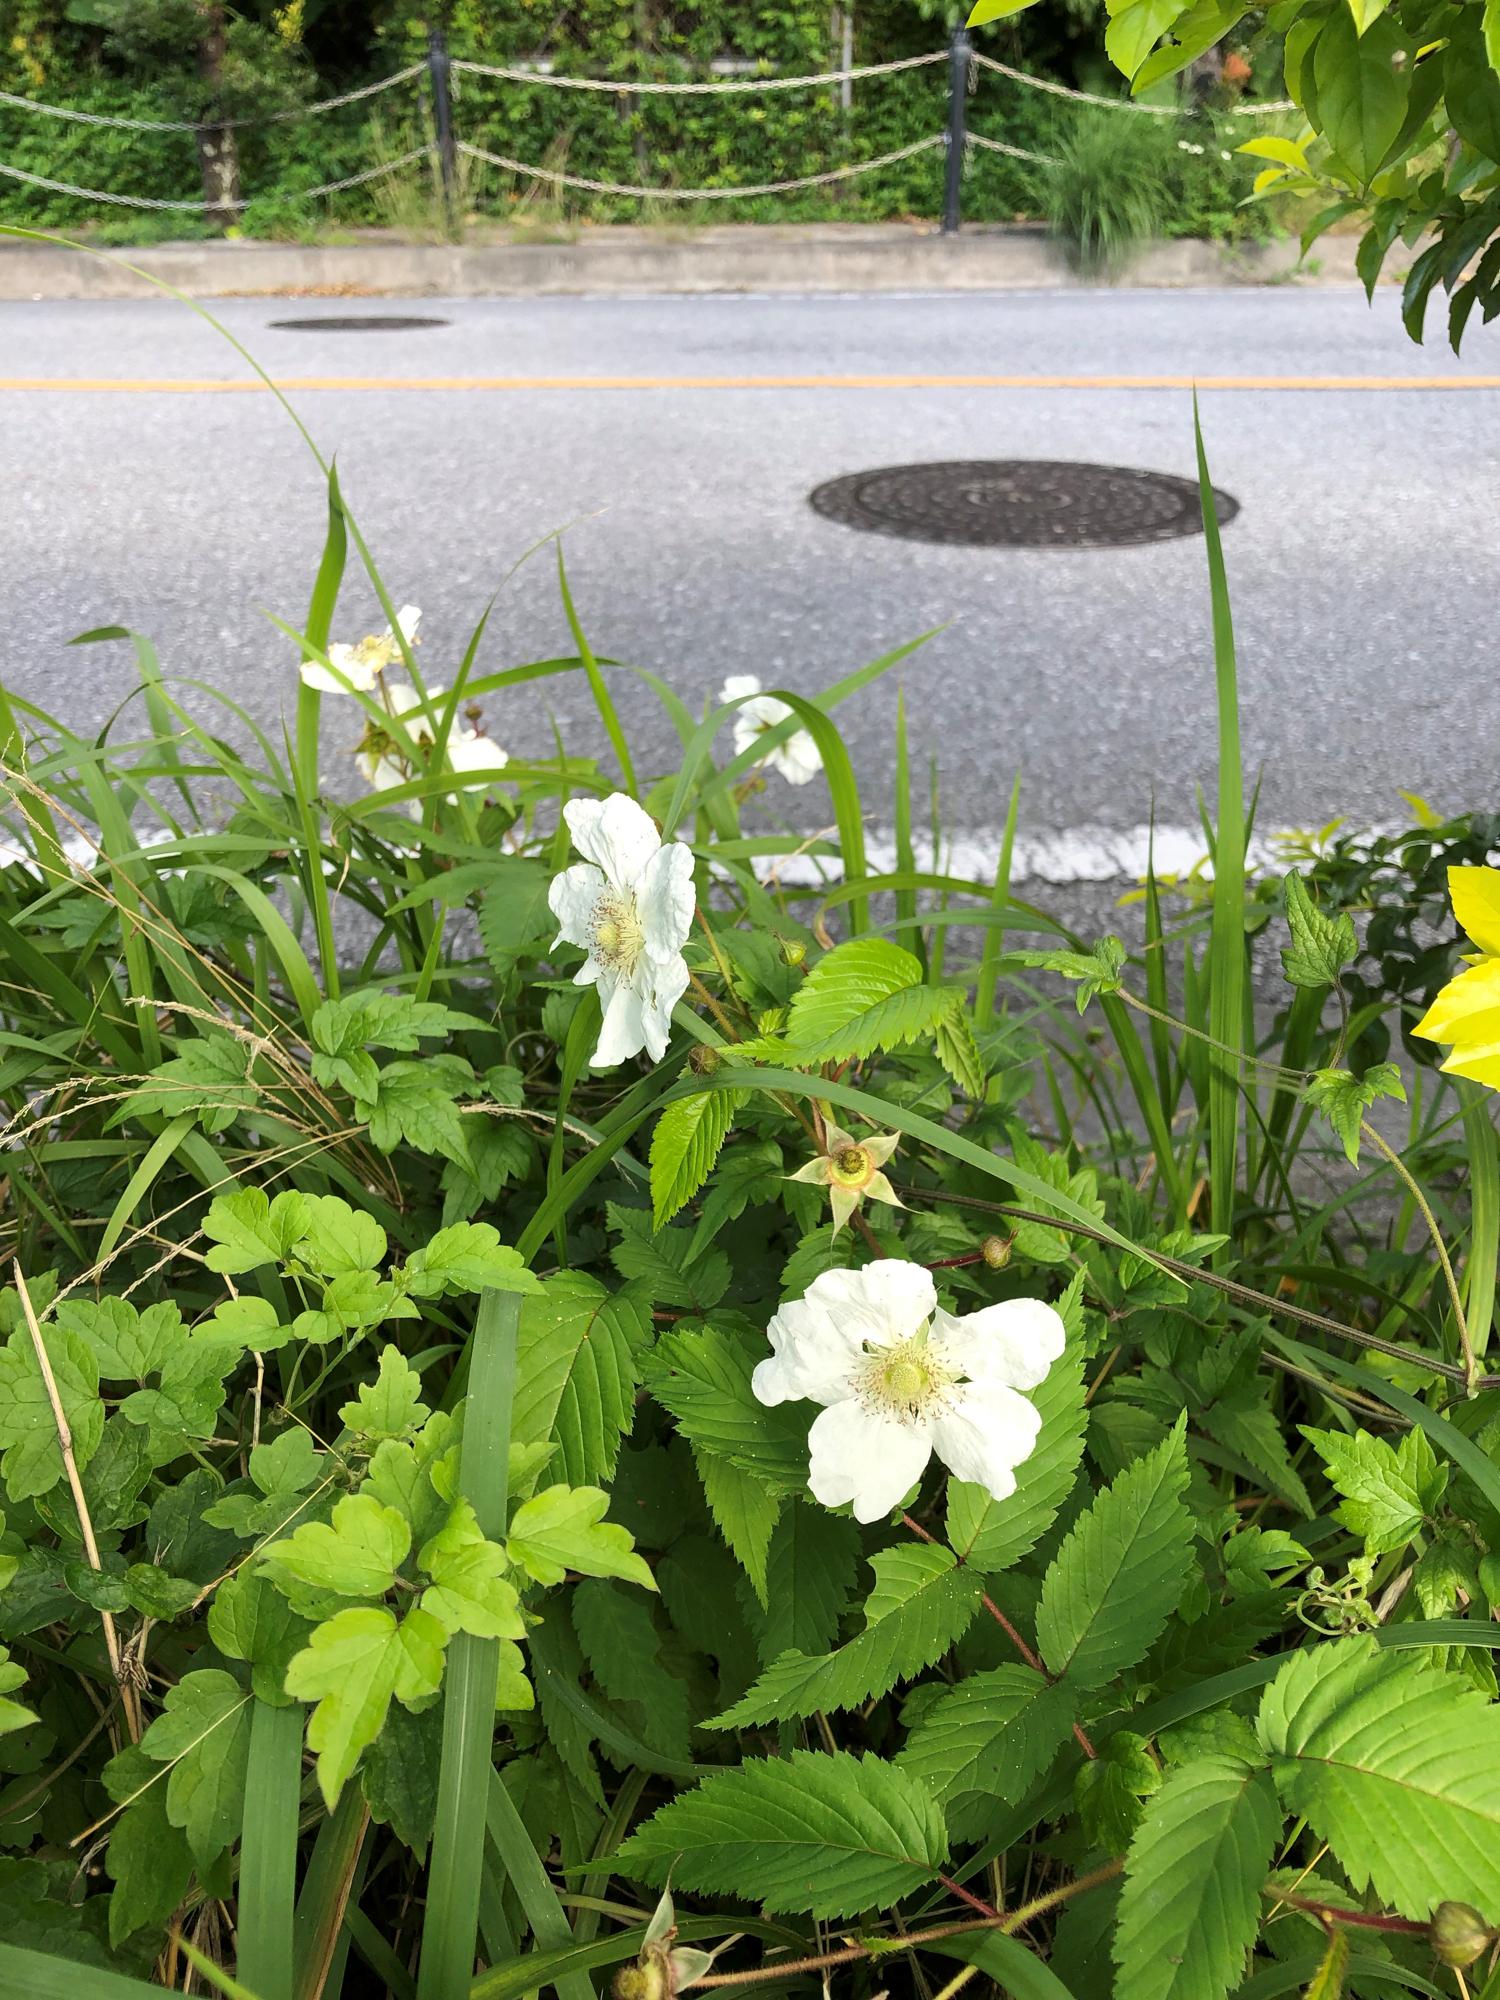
(1344, 1098)
(29, 1450)
(576, 1372)
(357, 1554)
(685, 1145)
(863, 996)
(1387, 1492)
(12, 1713)
(1108, 1790)
(1097, 971)
(1321, 946)
(1190, 1908)
(563, 1528)
(1117, 1577)
(468, 1592)
(247, 1228)
(203, 1732)
(744, 1512)
(921, 1603)
(351, 1667)
(467, 1257)
(829, 1835)
(391, 1405)
(1393, 1764)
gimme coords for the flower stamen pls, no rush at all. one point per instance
(616, 933)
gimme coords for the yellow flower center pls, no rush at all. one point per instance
(907, 1382)
(617, 935)
(851, 1166)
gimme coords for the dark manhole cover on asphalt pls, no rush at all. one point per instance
(1019, 503)
(358, 323)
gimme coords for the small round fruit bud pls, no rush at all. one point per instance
(703, 1060)
(793, 951)
(995, 1250)
(1459, 1934)
(642, 1982)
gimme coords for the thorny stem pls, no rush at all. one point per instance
(713, 1007)
(1031, 1658)
(1190, 1273)
(849, 1954)
(1471, 1365)
(1366, 1920)
(128, 1700)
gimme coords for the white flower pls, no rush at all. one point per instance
(900, 1379)
(629, 905)
(382, 761)
(797, 759)
(363, 664)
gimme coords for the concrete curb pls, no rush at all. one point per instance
(851, 257)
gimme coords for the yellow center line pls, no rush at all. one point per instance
(520, 384)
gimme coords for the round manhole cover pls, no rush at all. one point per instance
(358, 323)
(1019, 503)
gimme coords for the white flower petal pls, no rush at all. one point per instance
(665, 900)
(885, 1302)
(357, 673)
(798, 759)
(987, 1431)
(738, 686)
(661, 986)
(616, 833)
(1013, 1343)
(623, 1031)
(814, 1355)
(408, 618)
(469, 751)
(870, 1460)
(572, 897)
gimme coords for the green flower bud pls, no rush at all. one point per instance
(649, 1981)
(995, 1251)
(702, 1060)
(792, 952)
(1459, 1934)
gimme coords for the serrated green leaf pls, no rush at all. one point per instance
(664, 1264)
(828, 1835)
(811, 1566)
(990, 1534)
(623, 1650)
(744, 1512)
(338, 1240)
(921, 1603)
(863, 996)
(563, 1528)
(1108, 1790)
(351, 1667)
(1344, 1098)
(391, 1405)
(1387, 1493)
(958, 1052)
(1393, 1764)
(203, 1732)
(417, 1103)
(1117, 1578)
(576, 1373)
(1190, 1908)
(127, 1345)
(250, 1620)
(702, 1375)
(209, 1078)
(356, 1554)
(991, 1732)
(1097, 971)
(1321, 946)
(149, 1862)
(685, 1145)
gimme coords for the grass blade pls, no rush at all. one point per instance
(1484, 1228)
(268, 1853)
(603, 700)
(534, 1891)
(994, 939)
(1227, 939)
(451, 1924)
(36, 1975)
(326, 1891)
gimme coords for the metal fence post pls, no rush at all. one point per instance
(440, 77)
(959, 50)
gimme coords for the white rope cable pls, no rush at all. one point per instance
(730, 86)
(1011, 152)
(145, 201)
(211, 125)
(701, 194)
(1118, 103)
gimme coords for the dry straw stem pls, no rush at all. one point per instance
(85, 1524)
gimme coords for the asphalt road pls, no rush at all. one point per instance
(1364, 561)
